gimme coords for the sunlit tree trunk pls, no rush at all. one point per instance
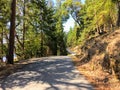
(104, 28)
(12, 33)
(118, 20)
(41, 45)
(23, 47)
(1, 42)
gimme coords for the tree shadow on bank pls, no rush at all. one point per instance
(54, 72)
(89, 50)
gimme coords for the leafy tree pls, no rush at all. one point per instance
(100, 18)
(4, 19)
(94, 20)
(73, 8)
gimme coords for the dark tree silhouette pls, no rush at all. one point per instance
(12, 33)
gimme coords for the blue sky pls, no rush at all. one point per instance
(70, 22)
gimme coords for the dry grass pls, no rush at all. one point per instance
(96, 58)
(99, 79)
(99, 60)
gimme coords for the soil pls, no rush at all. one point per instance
(98, 78)
(99, 60)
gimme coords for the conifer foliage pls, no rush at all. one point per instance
(30, 28)
(34, 28)
(95, 17)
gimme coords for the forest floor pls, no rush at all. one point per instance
(99, 60)
(47, 73)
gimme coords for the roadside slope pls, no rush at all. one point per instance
(99, 58)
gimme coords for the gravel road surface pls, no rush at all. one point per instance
(50, 73)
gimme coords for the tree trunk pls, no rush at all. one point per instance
(24, 29)
(55, 48)
(112, 28)
(1, 40)
(118, 20)
(41, 48)
(12, 33)
(62, 46)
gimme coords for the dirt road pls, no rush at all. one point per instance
(51, 73)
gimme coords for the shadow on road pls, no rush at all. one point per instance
(52, 71)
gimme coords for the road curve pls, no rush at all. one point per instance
(50, 73)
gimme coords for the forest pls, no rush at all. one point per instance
(35, 28)
(91, 20)
(31, 28)
(95, 40)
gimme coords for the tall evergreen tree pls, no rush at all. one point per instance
(61, 17)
